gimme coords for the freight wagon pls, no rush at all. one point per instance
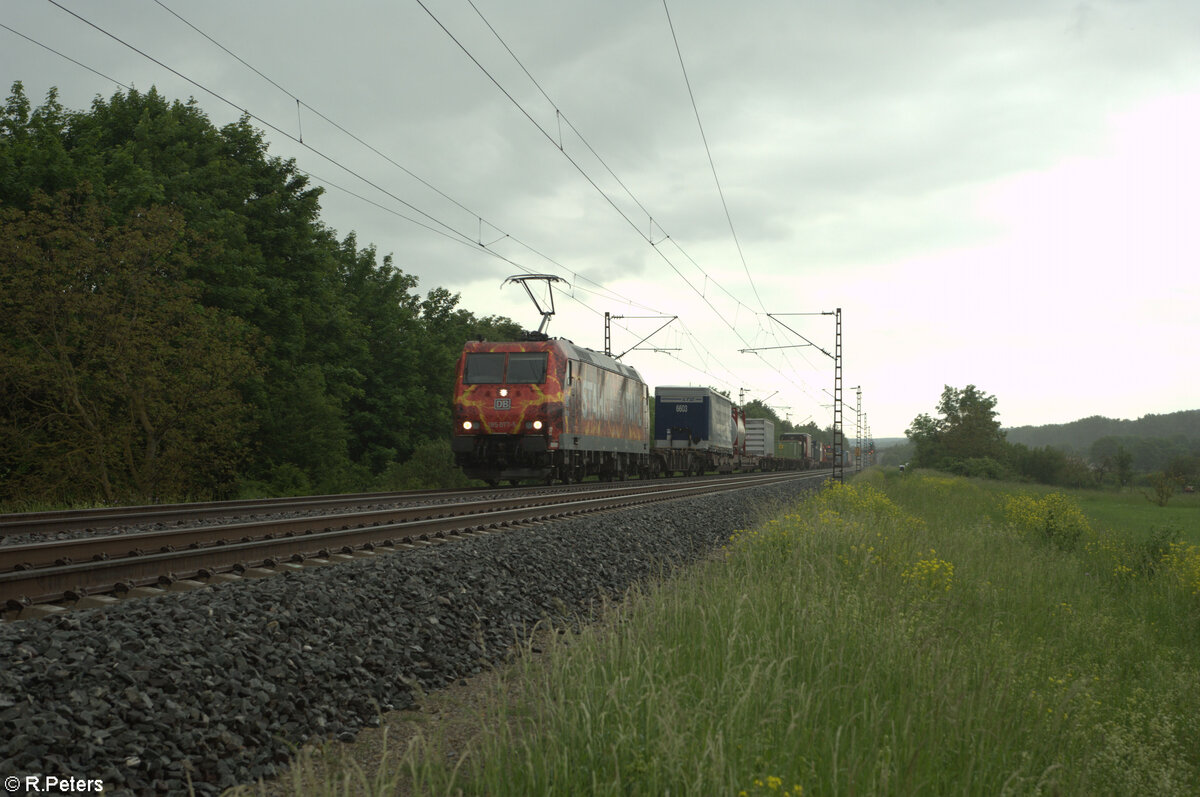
(695, 430)
(760, 437)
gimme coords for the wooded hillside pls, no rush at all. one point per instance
(965, 437)
(1079, 436)
(176, 322)
(1152, 442)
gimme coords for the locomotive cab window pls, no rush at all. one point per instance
(527, 368)
(484, 369)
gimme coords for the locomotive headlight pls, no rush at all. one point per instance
(467, 425)
(503, 392)
(537, 425)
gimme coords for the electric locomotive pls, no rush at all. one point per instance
(547, 409)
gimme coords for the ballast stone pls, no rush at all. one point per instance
(216, 687)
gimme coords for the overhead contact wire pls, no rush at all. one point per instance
(574, 163)
(452, 233)
(558, 145)
(63, 55)
(708, 151)
(401, 167)
(717, 180)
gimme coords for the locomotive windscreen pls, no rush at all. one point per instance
(488, 368)
(527, 368)
(484, 369)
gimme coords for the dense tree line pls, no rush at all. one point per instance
(1078, 437)
(176, 322)
(966, 438)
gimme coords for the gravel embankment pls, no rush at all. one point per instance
(219, 685)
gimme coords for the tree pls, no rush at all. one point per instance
(115, 384)
(1184, 468)
(1164, 486)
(1123, 461)
(967, 429)
(384, 413)
(1045, 465)
(353, 368)
(257, 251)
(256, 247)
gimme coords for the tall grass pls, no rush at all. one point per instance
(914, 635)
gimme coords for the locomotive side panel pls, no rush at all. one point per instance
(604, 410)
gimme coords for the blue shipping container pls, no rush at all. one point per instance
(692, 417)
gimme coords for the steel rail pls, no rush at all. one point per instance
(101, 518)
(109, 517)
(63, 552)
(71, 581)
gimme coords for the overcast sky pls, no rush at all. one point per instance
(1003, 194)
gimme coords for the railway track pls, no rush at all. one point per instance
(44, 577)
(15, 524)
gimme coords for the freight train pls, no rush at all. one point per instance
(545, 409)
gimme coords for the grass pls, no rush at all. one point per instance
(1130, 510)
(915, 634)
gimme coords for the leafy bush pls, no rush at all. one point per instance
(430, 467)
(977, 467)
(1055, 517)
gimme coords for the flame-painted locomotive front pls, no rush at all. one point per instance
(508, 408)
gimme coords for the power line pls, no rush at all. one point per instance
(429, 185)
(452, 233)
(227, 50)
(301, 103)
(717, 180)
(319, 179)
(712, 164)
(459, 238)
(63, 55)
(254, 116)
(447, 230)
(558, 113)
(565, 154)
(558, 145)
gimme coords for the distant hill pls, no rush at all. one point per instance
(1078, 436)
(1153, 440)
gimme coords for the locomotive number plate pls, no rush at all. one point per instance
(502, 404)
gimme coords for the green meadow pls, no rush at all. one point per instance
(903, 634)
(1132, 511)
